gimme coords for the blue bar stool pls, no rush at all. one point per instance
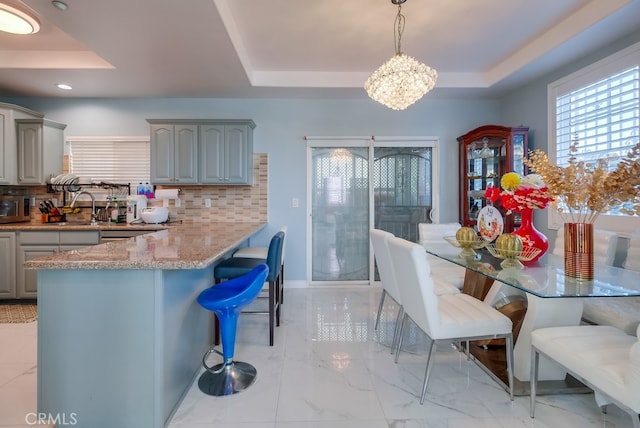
(226, 300)
(261, 253)
(237, 266)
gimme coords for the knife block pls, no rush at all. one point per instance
(51, 218)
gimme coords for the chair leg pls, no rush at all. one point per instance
(384, 293)
(272, 315)
(432, 348)
(396, 327)
(533, 381)
(277, 293)
(509, 350)
(282, 283)
(400, 336)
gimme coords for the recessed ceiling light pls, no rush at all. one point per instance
(64, 86)
(60, 5)
(16, 21)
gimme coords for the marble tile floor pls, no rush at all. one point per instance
(329, 368)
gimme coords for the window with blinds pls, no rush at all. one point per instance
(598, 109)
(602, 118)
(111, 159)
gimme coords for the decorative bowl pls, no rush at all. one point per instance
(513, 258)
(468, 246)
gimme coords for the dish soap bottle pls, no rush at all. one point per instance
(114, 211)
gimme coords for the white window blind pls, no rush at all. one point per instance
(602, 117)
(119, 160)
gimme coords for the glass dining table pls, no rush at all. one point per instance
(551, 299)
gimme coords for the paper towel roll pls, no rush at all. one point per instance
(167, 193)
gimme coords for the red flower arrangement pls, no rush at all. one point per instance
(520, 193)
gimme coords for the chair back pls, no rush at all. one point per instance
(274, 255)
(380, 242)
(435, 232)
(605, 243)
(632, 260)
(413, 275)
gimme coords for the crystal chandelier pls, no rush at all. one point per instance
(402, 80)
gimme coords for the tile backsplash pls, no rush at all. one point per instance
(228, 203)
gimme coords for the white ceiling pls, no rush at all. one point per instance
(284, 48)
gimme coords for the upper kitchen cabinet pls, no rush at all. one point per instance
(174, 154)
(486, 154)
(31, 147)
(40, 150)
(224, 149)
(226, 153)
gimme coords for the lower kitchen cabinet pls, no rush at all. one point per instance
(35, 244)
(7, 265)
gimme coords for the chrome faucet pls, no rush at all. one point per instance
(93, 204)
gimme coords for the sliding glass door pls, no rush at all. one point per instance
(355, 185)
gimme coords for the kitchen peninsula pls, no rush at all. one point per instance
(120, 334)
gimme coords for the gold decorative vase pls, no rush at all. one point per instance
(578, 251)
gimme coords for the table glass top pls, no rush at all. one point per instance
(545, 278)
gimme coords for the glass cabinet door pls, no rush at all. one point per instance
(485, 159)
(486, 154)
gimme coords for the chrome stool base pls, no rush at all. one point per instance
(229, 379)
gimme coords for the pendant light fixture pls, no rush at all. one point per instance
(402, 80)
(17, 21)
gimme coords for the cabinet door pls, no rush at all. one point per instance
(30, 153)
(212, 154)
(237, 155)
(162, 152)
(27, 278)
(186, 154)
(7, 265)
(82, 238)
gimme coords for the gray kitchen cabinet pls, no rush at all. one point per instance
(31, 147)
(224, 149)
(7, 265)
(174, 154)
(226, 153)
(40, 150)
(35, 244)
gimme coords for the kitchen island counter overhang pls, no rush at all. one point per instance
(120, 334)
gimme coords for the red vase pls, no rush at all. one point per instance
(531, 237)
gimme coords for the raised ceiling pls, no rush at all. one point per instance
(283, 48)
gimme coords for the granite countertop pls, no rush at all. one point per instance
(183, 246)
(70, 225)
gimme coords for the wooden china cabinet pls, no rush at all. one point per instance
(486, 154)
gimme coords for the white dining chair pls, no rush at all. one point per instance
(604, 358)
(632, 259)
(442, 270)
(600, 311)
(452, 317)
(380, 243)
(619, 312)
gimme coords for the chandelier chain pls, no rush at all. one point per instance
(399, 29)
